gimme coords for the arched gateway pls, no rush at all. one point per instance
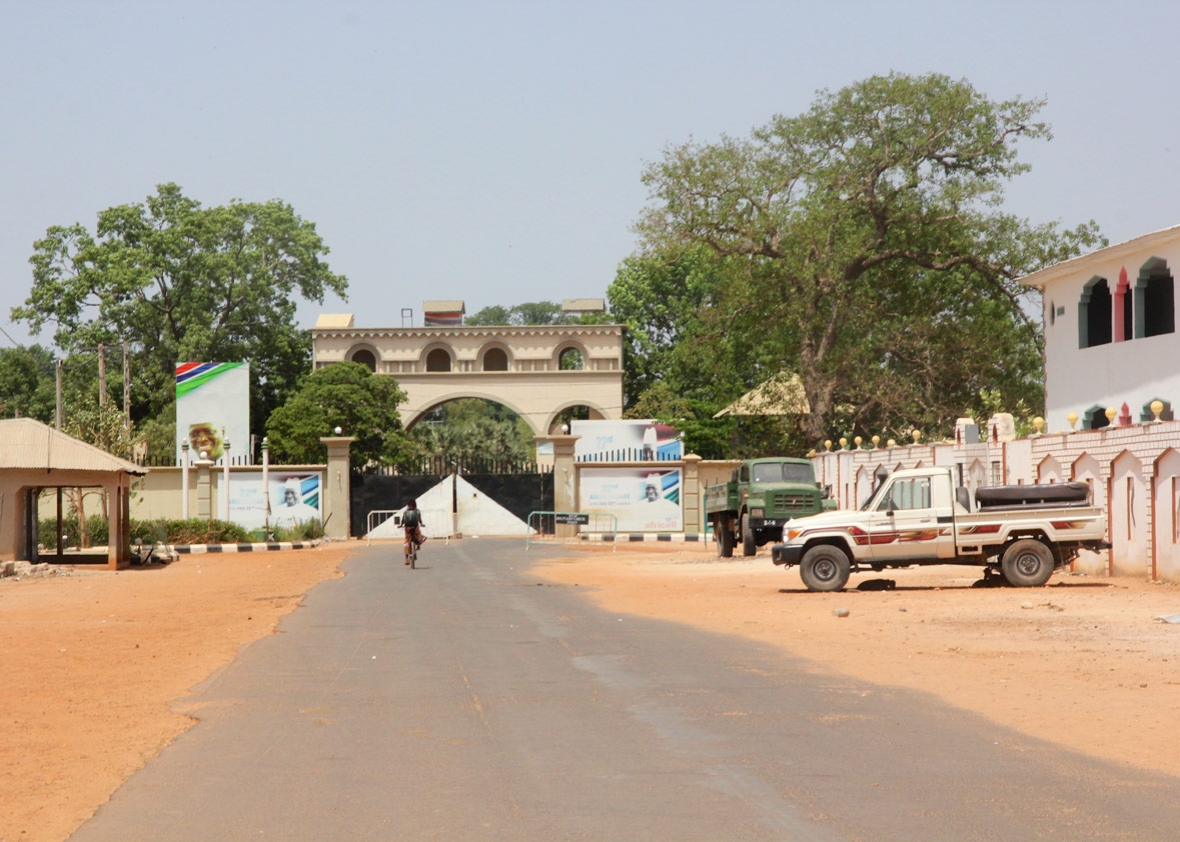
(537, 372)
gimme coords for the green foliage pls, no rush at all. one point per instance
(27, 383)
(535, 313)
(191, 531)
(346, 395)
(159, 434)
(473, 429)
(860, 245)
(102, 425)
(181, 283)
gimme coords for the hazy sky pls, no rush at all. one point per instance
(492, 152)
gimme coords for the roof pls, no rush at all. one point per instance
(333, 321)
(1119, 251)
(443, 307)
(583, 305)
(782, 394)
(26, 443)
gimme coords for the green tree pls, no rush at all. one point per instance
(349, 396)
(875, 261)
(532, 313)
(474, 429)
(27, 383)
(181, 283)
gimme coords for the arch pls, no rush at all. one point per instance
(1086, 469)
(1165, 517)
(863, 485)
(1049, 470)
(1127, 515)
(1155, 299)
(366, 355)
(566, 353)
(594, 413)
(412, 419)
(494, 357)
(439, 358)
(1094, 314)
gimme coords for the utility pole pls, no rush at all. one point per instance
(58, 416)
(126, 388)
(102, 375)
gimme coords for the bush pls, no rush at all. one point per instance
(191, 531)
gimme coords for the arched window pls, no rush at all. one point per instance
(495, 359)
(1155, 300)
(1094, 314)
(570, 359)
(1095, 418)
(366, 358)
(438, 360)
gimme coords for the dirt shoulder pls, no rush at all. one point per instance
(93, 661)
(96, 663)
(1081, 662)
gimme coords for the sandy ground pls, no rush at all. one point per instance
(96, 665)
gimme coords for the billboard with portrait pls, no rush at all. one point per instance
(295, 497)
(212, 408)
(625, 441)
(641, 499)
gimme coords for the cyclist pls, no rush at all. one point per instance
(412, 523)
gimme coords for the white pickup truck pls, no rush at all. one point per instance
(921, 516)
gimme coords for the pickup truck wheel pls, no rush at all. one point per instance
(1027, 563)
(749, 543)
(724, 536)
(825, 568)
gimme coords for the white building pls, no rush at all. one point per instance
(1110, 333)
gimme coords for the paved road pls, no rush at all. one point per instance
(467, 701)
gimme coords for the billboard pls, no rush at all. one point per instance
(625, 441)
(213, 407)
(295, 497)
(641, 499)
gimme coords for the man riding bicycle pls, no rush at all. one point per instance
(412, 523)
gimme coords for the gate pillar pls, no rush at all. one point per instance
(565, 487)
(337, 490)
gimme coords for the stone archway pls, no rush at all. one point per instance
(525, 368)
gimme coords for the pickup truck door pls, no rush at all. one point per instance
(907, 524)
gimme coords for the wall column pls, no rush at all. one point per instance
(691, 504)
(337, 488)
(565, 486)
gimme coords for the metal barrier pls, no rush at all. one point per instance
(387, 523)
(542, 526)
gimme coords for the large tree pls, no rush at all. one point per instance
(875, 261)
(182, 282)
(346, 395)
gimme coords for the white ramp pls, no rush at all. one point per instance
(479, 514)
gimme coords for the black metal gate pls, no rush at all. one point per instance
(521, 488)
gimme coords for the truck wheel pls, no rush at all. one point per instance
(1027, 563)
(825, 568)
(749, 544)
(724, 536)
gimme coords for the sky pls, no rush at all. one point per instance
(492, 152)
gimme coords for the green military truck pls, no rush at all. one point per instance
(760, 497)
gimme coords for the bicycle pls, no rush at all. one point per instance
(411, 551)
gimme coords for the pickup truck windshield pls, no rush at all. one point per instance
(783, 472)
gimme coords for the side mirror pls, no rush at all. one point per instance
(826, 493)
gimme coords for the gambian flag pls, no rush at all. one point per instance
(190, 376)
(447, 318)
